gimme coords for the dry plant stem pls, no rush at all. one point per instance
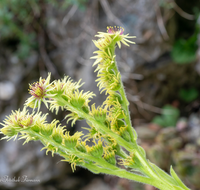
(183, 13)
(161, 23)
(69, 15)
(110, 15)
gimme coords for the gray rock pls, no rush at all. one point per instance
(7, 90)
(96, 184)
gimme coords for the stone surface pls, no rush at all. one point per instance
(7, 90)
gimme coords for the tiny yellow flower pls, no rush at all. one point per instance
(39, 92)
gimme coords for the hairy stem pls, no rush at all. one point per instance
(130, 146)
(100, 165)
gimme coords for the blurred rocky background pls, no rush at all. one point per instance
(161, 75)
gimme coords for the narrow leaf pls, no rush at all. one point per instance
(142, 151)
(164, 175)
(180, 183)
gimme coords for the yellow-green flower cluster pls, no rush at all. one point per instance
(109, 78)
(40, 92)
(96, 150)
(66, 90)
(19, 121)
(54, 93)
(66, 94)
(110, 123)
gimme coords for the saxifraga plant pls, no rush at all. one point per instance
(114, 138)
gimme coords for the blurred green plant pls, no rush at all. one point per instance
(168, 118)
(188, 95)
(20, 20)
(184, 51)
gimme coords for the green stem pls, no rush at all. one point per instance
(130, 146)
(99, 126)
(100, 164)
(125, 106)
(117, 172)
(147, 168)
(65, 149)
(125, 102)
(131, 176)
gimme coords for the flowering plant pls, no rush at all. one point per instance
(114, 138)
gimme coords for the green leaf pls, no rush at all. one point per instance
(169, 110)
(188, 95)
(177, 188)
(182, 53)
(168, 118)
(164, 175)
(135, 134)
(142, 151)
(180, 183)
(159, 121)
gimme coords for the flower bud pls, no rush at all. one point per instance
(57, 134)
(123, 132)
(110, 157)
(96, 150)
(118, 97)
(81, 146)
(77, 102)
(107, 123)
(115, 85)
(9, 131)
(50, 148)
(78, 99)
(36, 128)
(99, 114)
(47, 129)
(71, 141)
